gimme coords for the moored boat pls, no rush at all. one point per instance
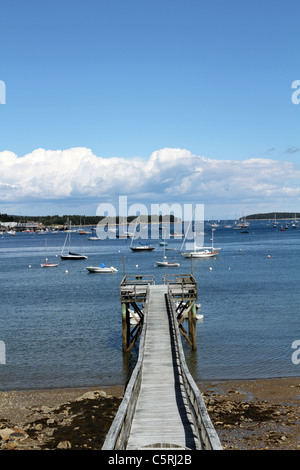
(49, 265)
(142, 248)
(102, 269)
(70, 255)
(202, 252)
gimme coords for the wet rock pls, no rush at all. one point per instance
(64, 445)
(92, 395)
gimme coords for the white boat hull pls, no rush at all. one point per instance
(49, 265)
(167, 264)
(99, 270)
(71, 256)
(200, 254)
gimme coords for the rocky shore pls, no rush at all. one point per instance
(259, 414)
(248, 415)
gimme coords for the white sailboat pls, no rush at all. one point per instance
(201, 252)
(165, 263)
(47, 264)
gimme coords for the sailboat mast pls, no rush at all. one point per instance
(133, 237)
(187, 233)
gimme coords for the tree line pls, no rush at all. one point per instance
(74, 220)
(273, 215)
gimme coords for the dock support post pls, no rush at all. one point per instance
(192, 326)
(124, 327)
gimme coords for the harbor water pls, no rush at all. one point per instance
(61, 326)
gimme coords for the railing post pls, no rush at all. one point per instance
(124, 327)
(192, 326)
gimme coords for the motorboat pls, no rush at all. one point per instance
(102, 269)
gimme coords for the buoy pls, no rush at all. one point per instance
(29, 266)
(136, 265)
(269, 256)
(66, 271)
(210, 268)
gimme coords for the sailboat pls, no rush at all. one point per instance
(242, 224)
(139, 247)
(163, 241)
(201, 252)
(70, 255)
(165, 263)
(275, 223)
(47, 264)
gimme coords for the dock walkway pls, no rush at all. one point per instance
(162, 406)
(160, 414)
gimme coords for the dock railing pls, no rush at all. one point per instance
(205, 431)
(182, 286)
(119, 431)
(134, 288)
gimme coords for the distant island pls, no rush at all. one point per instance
(66, 221)
(273, 216)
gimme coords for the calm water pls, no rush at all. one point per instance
(63, 329)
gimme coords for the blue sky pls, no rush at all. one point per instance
(126, 79)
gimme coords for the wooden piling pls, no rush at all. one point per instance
(133, 291)
(124, 327)
(192, 326)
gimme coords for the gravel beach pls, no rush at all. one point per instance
(258, 414)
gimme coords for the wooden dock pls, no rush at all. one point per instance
(162, 406)
(160, 416)
(133, 294)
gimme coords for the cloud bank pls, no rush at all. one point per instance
(168, 175)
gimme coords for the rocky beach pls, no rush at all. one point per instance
(258, 414)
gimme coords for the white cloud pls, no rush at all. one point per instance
(169, 175)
